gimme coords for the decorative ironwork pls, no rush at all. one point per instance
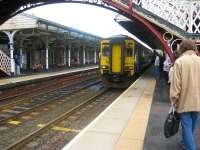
(175, 44)
(5, 63)
(184, 14)
(99, 3)
(167, 36)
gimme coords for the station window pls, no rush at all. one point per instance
(106, 51)
(129, 52)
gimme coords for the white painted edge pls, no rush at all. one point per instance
(97, 118)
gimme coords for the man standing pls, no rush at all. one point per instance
(166, 67)
(17, 62)
(185, 91)
(157, 67)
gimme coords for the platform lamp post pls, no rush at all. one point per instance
(11, 35)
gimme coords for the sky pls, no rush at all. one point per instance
(91, 19)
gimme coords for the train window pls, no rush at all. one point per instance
(129, 52)
(106, 51)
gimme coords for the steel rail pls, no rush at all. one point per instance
(38, 132)
(43, 104)
(64, 79)
(29, 98)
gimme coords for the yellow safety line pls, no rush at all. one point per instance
(132, 138)
(56, 128)
(14, 122)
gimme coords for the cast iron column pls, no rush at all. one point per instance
(11, 35)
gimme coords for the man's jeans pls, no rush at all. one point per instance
(188, 123)
(157, 72)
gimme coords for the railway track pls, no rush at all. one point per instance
(22, 110)
(13, 101)
(50, 111)
(19, 144)
(29, 90)
(34, 116)
(24, 130)
(91, 103)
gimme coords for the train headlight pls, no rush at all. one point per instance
(129, 67)
(104, 67)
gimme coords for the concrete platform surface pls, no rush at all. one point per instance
(123, 124)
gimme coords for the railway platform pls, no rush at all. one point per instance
(134, 121)
(7, 82)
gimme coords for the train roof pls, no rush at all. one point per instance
(118, 36)
(121, 36)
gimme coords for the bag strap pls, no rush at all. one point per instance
(172, 110)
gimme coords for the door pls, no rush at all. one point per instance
(116, 58)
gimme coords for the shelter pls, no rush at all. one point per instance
(33, 43)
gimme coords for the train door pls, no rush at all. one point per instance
(116, 58)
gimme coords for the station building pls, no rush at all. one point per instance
(29, 43)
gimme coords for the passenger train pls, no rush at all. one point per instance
(121, 58)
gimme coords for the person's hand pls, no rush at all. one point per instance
(174, 104)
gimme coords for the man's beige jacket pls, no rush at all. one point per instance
(185, 84)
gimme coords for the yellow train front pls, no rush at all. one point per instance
(121, 58)
(117, 59)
